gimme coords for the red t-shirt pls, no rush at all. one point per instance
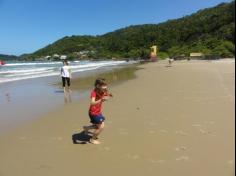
(97, 108)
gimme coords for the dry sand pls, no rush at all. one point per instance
(169, 121)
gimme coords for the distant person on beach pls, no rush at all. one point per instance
(170, 61)
(98, 96)
(66, 75)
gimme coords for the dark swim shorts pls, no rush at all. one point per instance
(96, 119)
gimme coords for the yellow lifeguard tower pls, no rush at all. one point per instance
(153, 55)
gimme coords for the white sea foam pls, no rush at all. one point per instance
(31, 64)
(28, 70)
(19, 71)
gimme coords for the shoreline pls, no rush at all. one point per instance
(169, 121)
(34, 98)
(19, 71)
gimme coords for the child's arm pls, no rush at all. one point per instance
(107, 93)
(94, 102)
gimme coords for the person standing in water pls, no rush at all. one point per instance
(66, 75)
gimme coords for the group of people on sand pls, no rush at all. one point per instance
(98, 95)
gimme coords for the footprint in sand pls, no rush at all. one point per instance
(182, 133)
(107, 148)
(123, 131)
(203, 131)
(151, 132)
(44, 167)
(206, 132)
(163, 131)
(165, 100)
(183, 148)
(134, 157)
(231, 162)
(153, 161)
(58, 138)
(152, 124)
(22, 138)
(161, 161)
(182, 158)
(196, 125)
(210, 122)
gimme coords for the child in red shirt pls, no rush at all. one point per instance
(98, 96)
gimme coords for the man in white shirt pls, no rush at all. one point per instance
(66, 75)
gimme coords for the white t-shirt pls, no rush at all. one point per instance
(65, 71)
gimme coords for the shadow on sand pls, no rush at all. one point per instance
(58, 91)
(81, 138)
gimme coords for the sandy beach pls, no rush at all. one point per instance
(168, 121)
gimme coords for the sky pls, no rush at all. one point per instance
(28, 25)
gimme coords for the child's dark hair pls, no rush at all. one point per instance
(100, 82)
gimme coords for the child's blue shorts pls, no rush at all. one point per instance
(96, 119)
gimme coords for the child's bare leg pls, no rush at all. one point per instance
(87, 128)
(99, 129)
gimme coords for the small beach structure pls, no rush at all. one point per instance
(56, 56)
(63, 57)
(196, 56)
(47, 57)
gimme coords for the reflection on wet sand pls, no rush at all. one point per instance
(115, 76)
(8, 97)
(22, 101)
(67, 97)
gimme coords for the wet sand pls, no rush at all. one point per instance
(169, 121)
(24, 101)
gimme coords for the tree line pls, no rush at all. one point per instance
(209, 31)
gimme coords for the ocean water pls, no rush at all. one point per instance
(14, 71)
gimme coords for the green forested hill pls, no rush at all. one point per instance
(8, 57)
(211, 31)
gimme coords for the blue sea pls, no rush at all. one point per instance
(13, 71)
